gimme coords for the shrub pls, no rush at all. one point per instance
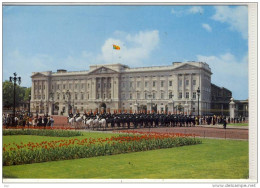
(42, 132)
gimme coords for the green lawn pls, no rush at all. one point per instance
(237, 124)
(32, 138)
(213, 159)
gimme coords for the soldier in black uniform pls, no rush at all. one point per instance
(224, 123)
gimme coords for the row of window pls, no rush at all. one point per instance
(138, 84)
(146, 83)
(153, 95)
(39, 87)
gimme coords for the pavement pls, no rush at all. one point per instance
(220, 126)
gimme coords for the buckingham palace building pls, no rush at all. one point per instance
(177, 88)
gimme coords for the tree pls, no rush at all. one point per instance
(27, 93)
(8, 94)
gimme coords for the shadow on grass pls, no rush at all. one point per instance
(9, 176)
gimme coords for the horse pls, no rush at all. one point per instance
(89, 123)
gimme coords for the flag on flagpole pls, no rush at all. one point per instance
(116, 47)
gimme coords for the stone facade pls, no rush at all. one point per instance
(220, 99)
(113, 87)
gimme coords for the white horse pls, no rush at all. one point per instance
(71, 121)
(100, 123)
(90, 123)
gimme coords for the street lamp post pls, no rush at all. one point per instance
(198, 93)
(14, 80)
(171, 97)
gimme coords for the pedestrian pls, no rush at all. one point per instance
(40, 121)
(51, 121)
(45, 121)
(225, 123)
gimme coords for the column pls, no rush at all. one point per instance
(183, 86)
(112, 87)
(94, 88)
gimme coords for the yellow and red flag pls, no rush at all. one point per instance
(116, 47)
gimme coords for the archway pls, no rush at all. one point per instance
(102, 107)
(56, 108)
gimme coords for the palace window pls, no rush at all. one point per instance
(58, 96)
(63, 96)
(170, 83)
(180, 95)
(130, 96)
(146, 84)
(154, 95)
(162, 95)
(109, 95)
(170, 95)
(187, 82)
(98, 85)
(131, 84)
(64, 86)
(82, 96)
(187, 95)
(145, 95)
(104, 96)
(98, 96)
(180, 83)
(154, 83)
(162, 82)
(194, 95)
(76, 96)
(194, 82)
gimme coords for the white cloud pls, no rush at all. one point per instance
(207, 27)
(192, 10)
(195, 10)
(236, 18)
(229, 72)
(134, 48)
(173, 11)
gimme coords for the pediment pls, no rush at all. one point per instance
(38, 75)
(186, 67)
(103, 70)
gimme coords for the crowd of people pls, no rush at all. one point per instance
(118, 119)
(25, 119)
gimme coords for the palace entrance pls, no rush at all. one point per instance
(102, 107)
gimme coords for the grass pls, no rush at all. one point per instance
(213, 159)
(32, 138)
(238, 124)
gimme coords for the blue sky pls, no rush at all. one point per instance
(41, 38)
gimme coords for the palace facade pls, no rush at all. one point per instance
(111, 87)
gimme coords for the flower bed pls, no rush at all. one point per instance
(15, 154)
(43, 132)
